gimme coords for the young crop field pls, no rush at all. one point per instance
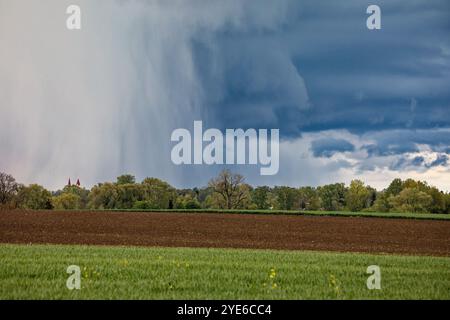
(39, 272)
(180, 255)
(368, 214)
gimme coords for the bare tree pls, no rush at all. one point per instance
(8, 188)
(230, 187)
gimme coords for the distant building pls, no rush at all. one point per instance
(78, 184)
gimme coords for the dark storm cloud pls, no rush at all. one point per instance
(140, 69)
(321, 69)
(419, 162)
(354, 79)
(395, 142)
(327, 147)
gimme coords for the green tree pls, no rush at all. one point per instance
(128, 194)
(158, 194)
(308, 199)
(66, 201)
(260, 197)
(332, 196)
(438, 203)
(144, 205)
(115, 195)
(411, 183)
(394, 188)
(286, 197)
(382, 203)
(34, 197)
(202, 194)
(358, 196)
(104, 196)
(187, 201)
(81, 193)
(126, 179)
(447, 203)
(411, 200)
(215, 201)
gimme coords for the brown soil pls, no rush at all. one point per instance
(375, 235)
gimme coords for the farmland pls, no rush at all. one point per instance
(366, 214)
(343, 234)
(179, 255)
(39, 272)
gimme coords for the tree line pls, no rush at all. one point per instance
(226, 191)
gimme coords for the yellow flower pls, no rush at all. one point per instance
(272, 273)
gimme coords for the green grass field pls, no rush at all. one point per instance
(393, 215)
(39, 272)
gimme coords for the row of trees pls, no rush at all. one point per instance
(227, 191)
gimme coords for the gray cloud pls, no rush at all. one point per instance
(418, 162)
(102, 101)
(391, 142)
(441, 160)
(328, 147)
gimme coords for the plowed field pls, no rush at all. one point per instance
(345, 234)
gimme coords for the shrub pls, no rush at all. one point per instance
(34, 197)
(66, 201)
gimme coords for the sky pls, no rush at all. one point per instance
(350, 103)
